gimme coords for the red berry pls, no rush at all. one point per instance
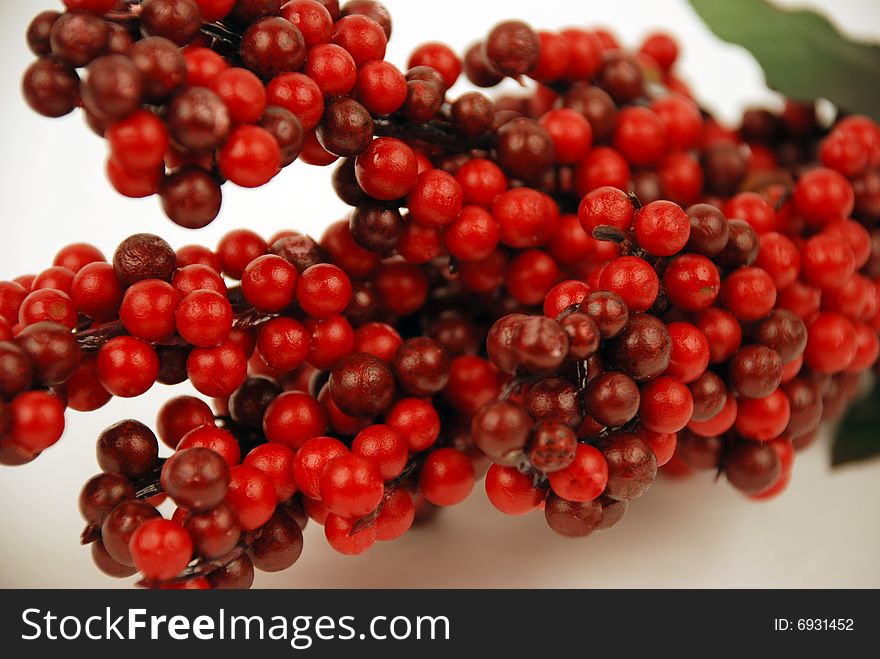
(311, 18)
(439, 57)
(718, 424)
(690, 352)
(277, 462)
(217, 371)
(139, 142)
(447, 477)
(338, 531)
(524, 217)
(237, 249)
(332, 68)
(640, 136)
(666, 405)
(47, 304)
(823, 196)
(323, 290)
(268, 283)
(606, 206)
(481, 181)
(148, 309)
(417, 422)
(216, 439)
(300, 95)
(633, 279)
(252, 496)
(692, 282)
(779, 258)
(37, 421)
(396, 516)
(283, 343)
(362, 37)
(436, 198)
(564, 295)
(127, 367)
(96, 291)
(250, 157)
(204, 318)
(722, 330)
(512, 492)
(662, 228)
(293, 418)
(160, 549)
(530, 275)
(380, 87)
(749, 293)
(831, 344)
(311, 459)
(384, 445)
(330, 340)
(473, 235)
(584, 479)
(386, 169)
(827, 261)
(763, 418)
(571, 134)
(243, 94)
(351, 486)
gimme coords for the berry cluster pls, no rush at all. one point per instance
(564, 291)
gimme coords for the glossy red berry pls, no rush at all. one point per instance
(823, 196)
(749, 293)
(252, 496)
(311, 459)
(127, 367)
(351, 486)
(416, 420)
(338, 531)
(692, 282)
(293, 418)
(160, 549)
(633, 279)
(447, 477)
(386, 169)
(662, 228)
(277, 462)
(584, 479)
(831, 343)
(666, 405)
(204, 318)
(512, 492)
(250, 157)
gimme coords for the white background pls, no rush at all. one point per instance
(823, 532)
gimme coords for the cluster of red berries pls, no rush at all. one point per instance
(565, 290)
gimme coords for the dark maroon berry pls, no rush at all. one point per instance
(277, 544)
(709, 230)
(571, 519)
(552, 446)
(512, 48)
(53, 351)
(752, 467)
(421, 366)
(500, 430)
(362, 385)
(128, 448)
(632, 466)
(376, 228)
(642, 350)
(612, 399)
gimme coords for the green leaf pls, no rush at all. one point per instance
(858, 437)
(803, 55)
